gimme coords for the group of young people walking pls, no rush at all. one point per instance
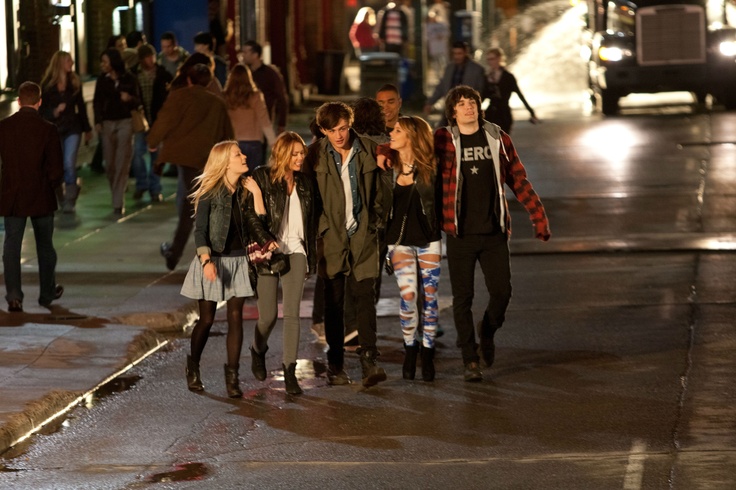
(330, 209)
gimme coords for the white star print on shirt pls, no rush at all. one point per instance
(474, 170)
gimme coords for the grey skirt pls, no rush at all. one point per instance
(232, 280)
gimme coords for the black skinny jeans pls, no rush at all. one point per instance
(492, 252)
(362, 294)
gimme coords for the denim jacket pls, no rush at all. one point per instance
(212, 222)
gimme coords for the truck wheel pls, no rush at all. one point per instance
(609, 102)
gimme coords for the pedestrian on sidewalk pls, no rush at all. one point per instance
(248, 115)
(63, 104)
(352, 209)
(117, 93)
(32, 171)
(219, 272)
(153, 80)
(500, 84)
(413, 238)
(289, 205)
(475, 159)
(191, 120)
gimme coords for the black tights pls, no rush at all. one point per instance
(201, 331)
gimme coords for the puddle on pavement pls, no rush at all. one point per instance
(181, 472)
(117, 385)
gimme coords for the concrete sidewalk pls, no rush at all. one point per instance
(119, 303)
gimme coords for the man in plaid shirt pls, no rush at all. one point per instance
(475, 158)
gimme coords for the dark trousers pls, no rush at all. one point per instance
(43, 231)
(492, 252)
(338, 291)
(186, 209)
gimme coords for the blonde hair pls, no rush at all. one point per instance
(239, 87)
(281, 154)
(212, 178)
(421, 140)
(56, 71)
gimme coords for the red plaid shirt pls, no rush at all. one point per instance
(512, 173)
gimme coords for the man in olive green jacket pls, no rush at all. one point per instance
(189, 124)
(351, 190)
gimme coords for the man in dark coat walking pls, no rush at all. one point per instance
(32, 170)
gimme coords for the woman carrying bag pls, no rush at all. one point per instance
(289, 216)
(413, 237)
(219, 272)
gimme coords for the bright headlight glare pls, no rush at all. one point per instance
(727, 48)
(610, 53)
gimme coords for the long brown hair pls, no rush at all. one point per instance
(239, 87)
(419, 133)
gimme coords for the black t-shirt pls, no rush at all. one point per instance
(416, 231)
(233, 243)
(479, 206)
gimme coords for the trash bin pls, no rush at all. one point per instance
(329, 76)
(376, 70)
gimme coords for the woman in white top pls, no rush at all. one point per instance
(248, 115)
(288, 197)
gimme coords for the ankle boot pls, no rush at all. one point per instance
(258, 363)
(372, 374)
(232, 384)
(428, 364)
(410, 361)
(194, 380)
(292, 386)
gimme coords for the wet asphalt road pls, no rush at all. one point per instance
(614, 370)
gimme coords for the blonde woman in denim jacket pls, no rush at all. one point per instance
(219, 272)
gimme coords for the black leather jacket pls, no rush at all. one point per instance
(274, 199)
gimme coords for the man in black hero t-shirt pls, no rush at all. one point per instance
(475, 217)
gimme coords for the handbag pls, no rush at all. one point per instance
(280, 263)
(140, 123)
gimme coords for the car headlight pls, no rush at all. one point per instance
(727, 48)
(613, 53)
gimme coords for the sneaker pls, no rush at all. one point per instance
(166, 253)
(473, 374)
(138, 195)
(336, 376)
(157, 198)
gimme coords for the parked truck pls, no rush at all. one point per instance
(652, 46)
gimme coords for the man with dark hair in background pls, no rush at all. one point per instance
(270, 82)
(153, 80)
(189, 124)
(33, 170)
(172, 55)
(204, 43)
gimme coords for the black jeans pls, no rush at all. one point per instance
(186, 209)
(43, 232)
(492, 252)
(362, 294)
